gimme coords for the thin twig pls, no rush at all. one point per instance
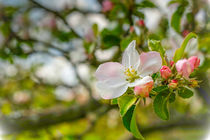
(58, 15)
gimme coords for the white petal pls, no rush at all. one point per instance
(109, 71)
(139, 82)
(110, 91)
(131, 56)
(111, 80)
(150, 63)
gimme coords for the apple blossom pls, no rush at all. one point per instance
(107, 5)
(194, 61)
(113, 78)
(143, 90)
(89, 36)
(184, 67)
(165, 72)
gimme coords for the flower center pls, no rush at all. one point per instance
(131, 74)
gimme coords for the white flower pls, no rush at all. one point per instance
(113, 78)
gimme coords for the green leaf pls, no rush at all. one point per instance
(176, 18)
(155, 45)
(190, 17)
(111, 37)
(89, 46)
(124, 43)
(180, 51)
(118, 8)
(155, 76)
(63, 36)
(162, 89)
(110, 40)
(174, 1)
(5, 29)
(125, 102)
(185, 92)
(129, 121)
(146, 4)
(160, 106)
(172, 97)
(139, 14)
(95, 29)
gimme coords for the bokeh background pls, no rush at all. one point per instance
(50, 49)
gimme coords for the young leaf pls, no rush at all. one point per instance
(160, 106)
(124, 43)
(162, 89)
(174, 1)
(155, 76)
(129, 121)
(185, 92)
(146, 4)
(139, 14)
(125, 102)
(180, 52)
(176, 18)
(111, 37)
(95, 29)
(155, 45)
(172, 97)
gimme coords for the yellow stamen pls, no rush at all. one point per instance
(131, 74)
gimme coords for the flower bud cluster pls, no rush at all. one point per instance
(184, 68)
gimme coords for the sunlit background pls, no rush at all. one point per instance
(47, 83)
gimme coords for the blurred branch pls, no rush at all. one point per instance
(183, 122)
(32, 121)
(98, 113)
(84, 12)
(58, 15)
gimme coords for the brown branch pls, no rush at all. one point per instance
(35, 121)
(100, 112)
(182, 122)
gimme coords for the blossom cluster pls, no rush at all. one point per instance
(135, 73)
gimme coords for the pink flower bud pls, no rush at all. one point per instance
(131, 29)
(143, 90)
(185, 33)
(107, 6)
(171, 63)
(173, 83)
(89, 36)
(52, 23)
(165, 72)
(140, 23)
(194, 62)
(184, 67)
